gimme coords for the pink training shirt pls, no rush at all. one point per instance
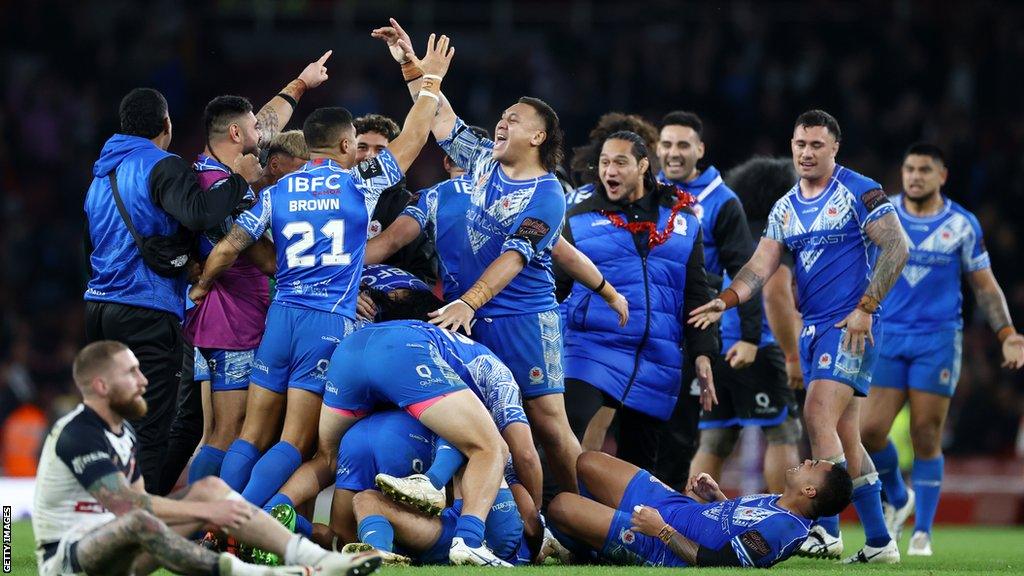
(233, 314)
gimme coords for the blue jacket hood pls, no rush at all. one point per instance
(116, 148)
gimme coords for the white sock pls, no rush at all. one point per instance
(302, 552)
(239, 568)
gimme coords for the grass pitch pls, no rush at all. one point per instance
(960, 550)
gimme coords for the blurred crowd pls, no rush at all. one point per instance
(891, 72)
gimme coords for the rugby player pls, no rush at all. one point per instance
(727, 246)
(373, 134)
(828, 221)
(923, 333)
(93, 515)
(515, 214)
(631, 517)
(760, 394)
(319, 216)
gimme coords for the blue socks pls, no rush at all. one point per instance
(887, 462)
(206, 463)
(447, 461)
(271, 472)
(377, 532)
(471, 530)
(238, 463)
(867, 498)
(302, 526)
(927, 480)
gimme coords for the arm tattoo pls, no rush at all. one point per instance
(104, 551)
(114, 493)
(239, 238)
(684, 548)
(888, 234)
(269, 123)
(993, 305)
(752, 279)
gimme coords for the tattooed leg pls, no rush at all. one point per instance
(114, 548)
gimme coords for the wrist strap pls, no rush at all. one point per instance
(478, 295)
(729, 297)
(288, 99)
(868, 304)
(666, 532)
(601, 285)
(1005, 332)
(410, 71)
(467, 304)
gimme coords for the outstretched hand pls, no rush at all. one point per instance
(316, 72)
(394, 34)
(706, 315)
(437, 58)
(453, 316)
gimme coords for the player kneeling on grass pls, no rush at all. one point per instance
(630, 517)
(92, 512)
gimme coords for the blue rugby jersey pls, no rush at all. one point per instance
(441, 211)
(833, 254)
(504, 214)
(943, 247)
(318, 215)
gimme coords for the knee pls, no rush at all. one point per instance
(719, 441)
(789, 432)
(559, 507)
(873, 437)
(208, 488)
(366, 503)
(589, 464)
(926, 434)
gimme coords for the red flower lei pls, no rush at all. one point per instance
(654, 237)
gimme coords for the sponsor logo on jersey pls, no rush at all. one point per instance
(369, 169)
(873, 199)
(259, 365)
(79, 463)
(825, 360)
(89, 507)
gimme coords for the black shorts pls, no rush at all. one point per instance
(758, 395)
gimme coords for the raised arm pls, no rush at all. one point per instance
(276, 113)
(400, 46)
(992, 304)
(748, 282)
(403, 231)
(406, 147)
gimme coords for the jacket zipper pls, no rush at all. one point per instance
(647, 331)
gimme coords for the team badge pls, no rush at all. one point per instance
(945, 375)
(627, 536)
(373, 229)
(825, 360)
(679, 225)
(698, 211)
(536, 375)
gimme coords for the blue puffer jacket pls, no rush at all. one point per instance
(640, 364)
(118, 272)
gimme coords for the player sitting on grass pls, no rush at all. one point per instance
(92, 512)
(630, 517)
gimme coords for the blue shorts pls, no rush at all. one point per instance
(503, 530)
(391, 442)
(622, 545)
(923, 362)
(296, 348)
(397, 365)
(530, 345)
(822, 356)
(228, 369)
(200, 369)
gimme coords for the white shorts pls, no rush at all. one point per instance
(60, 564)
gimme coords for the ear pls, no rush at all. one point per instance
(700, 150)
(99, 386)
(273, 165)
(644, 165)
(539, 138)
(167, 125)
(809, 491)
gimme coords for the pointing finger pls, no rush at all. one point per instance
(325, 57)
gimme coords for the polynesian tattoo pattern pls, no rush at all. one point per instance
(888, 234)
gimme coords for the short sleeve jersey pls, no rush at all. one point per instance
(79, 450)
(318, 216)
(827, 238)
(441, 211)
(943, 247)
(504, 215)
(758, 530)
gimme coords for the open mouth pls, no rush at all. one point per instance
(612, 186)
(500, 140)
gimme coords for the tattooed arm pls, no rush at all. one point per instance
(221, 258)
(993, 304)
(115, 494)
(888, 234)
(748, 281)
(276, 113)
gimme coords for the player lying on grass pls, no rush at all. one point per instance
(92, 512)
(630, 517)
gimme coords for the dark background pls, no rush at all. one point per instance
(891, 72)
